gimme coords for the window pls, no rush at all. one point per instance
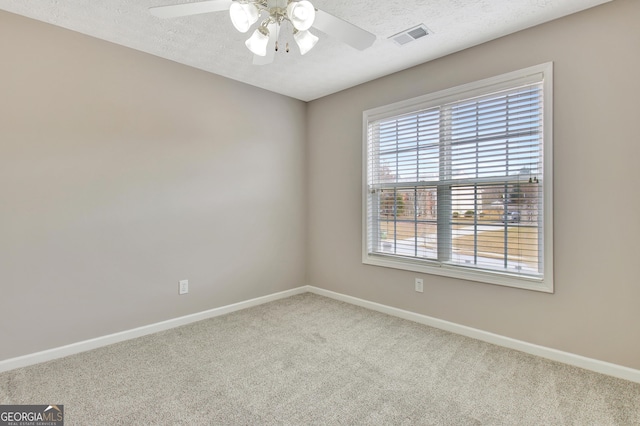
(458, 182)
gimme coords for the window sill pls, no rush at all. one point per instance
(544, 285)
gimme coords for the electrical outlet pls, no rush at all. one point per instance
(419, 285)
(183, 287)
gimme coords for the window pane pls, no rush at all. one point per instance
(496, 226)
(407, 222)
(499, 135)
(408, 147)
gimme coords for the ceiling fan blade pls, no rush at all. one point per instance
(271, 47)
(343, 30)
(186, 9)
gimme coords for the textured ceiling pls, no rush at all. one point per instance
(209, 41)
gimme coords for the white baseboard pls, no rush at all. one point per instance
(485, 336)
(87, 345)
(519, 345)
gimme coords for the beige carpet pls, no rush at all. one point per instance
(312, 360)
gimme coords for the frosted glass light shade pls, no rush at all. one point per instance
(243, 15)
(257, 43)
(305, 41)
(301, 14)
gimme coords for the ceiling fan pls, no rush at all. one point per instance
(300, 14)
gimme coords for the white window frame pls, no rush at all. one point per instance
(543, 72)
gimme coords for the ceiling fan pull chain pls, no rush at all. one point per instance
(278, 33)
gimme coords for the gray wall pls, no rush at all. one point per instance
(594, 311)
(122, 173)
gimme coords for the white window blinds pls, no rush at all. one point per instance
(459, 183)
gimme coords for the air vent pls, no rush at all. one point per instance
(412, 34)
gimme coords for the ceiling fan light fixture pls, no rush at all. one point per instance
(301, 14)
(305, 41)
(243, 15)
(257, 43)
